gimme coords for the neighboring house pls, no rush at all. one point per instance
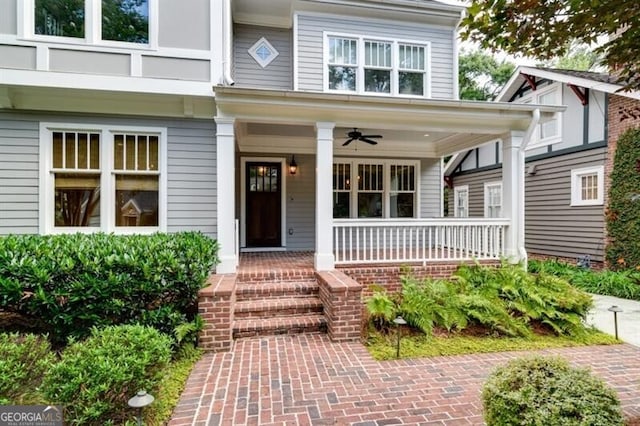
(567, 163)
(189, 115)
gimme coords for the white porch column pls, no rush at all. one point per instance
(513, 194)
(225, 166)
(323, 259)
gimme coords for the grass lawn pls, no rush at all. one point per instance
(415, 344)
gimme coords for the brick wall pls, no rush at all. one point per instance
(342, 301)
(215, 306)
(623, 114)
(389, 276)
(598, 266)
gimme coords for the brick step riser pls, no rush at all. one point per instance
(276, 279)
(315, 328)
(278, 312)
(249, 295)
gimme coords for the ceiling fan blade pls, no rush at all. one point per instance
(348, 141)
(369, 141)
(371, 136)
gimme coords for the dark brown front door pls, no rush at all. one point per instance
(263, 205)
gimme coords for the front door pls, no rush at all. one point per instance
(264, 210)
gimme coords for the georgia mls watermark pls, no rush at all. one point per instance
(31, 415)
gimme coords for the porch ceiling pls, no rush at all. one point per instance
(283, 121)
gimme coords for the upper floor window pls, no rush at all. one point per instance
(363, 65)
(101, 179)
(92, 20)
(383, 189)
(550, 131)
(587, 186)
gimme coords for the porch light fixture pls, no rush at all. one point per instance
(615, 309)
(293, 166)
(141, 400)
(398, 322)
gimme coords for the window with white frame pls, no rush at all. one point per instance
(493, 199)
(550, 131)
(384, 189)
(363, 65)
(101, 179)
(94, 21)
(587, 186)
(461, 201)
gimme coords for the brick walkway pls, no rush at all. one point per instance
(308, 380)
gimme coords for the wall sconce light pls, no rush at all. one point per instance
(293, 166)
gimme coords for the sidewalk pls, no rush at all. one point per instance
(628, 319)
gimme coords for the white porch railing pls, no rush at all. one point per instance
(357, 241)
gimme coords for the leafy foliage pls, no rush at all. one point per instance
(545, 30)
(70, 283)
(548, 391)
(125, 20)
(481, 76)
(505, 301)
(624, 284)
(23, 361)
(96, 377)
(623, 210)
(578, 57)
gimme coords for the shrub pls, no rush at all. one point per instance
(548, 391)
(96, 377)
(623, 209)
(23, 361)
(74, 282)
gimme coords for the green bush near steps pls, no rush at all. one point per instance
(67, 284)
(540, 391)
(96, 377)
(23, 361)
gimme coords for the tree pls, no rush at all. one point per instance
(544, 29)
(579, 57)
(481, 76)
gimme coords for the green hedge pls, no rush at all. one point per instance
(548, 391)
(96, 377)
(67, 284)
(23, 361)
(623, 210)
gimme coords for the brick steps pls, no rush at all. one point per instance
(252, 327)
(275, 289)
(277, 307)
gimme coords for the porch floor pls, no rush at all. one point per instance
(276, 263)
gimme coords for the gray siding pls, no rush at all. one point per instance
(301, 204)
(8, 24)
(311, 39)
(176, 68)
(552, 226)
(184, 24)
(430, 188)
(17, 57)
(247, 72)
(191, 181)
(89, 62)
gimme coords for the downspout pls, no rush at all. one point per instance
(535, 120)
(228, 41)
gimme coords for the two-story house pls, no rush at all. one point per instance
(567, 163)
(283, 125)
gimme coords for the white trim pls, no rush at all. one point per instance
(360, 65)
(456, 65)
(456, 190)
(107, 178)
(366, 20)
(243, 198)
(576, 186)
(534, 98)
(487, 187)
(263, 62)
(295, 51)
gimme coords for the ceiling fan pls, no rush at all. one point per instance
(355, 135)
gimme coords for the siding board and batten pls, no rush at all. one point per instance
(8, 24)
(89, 62)
(247, 72)
(191, 184)
(184, 24)
(311, 39)
(17, 57)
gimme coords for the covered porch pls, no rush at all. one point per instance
(384, 221)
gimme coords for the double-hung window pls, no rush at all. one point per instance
(97, 178)
(376, 66)
(493, 199)
(93, 21)
(587, 186)
(384, 188)
(550, 131)
(461, 201)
